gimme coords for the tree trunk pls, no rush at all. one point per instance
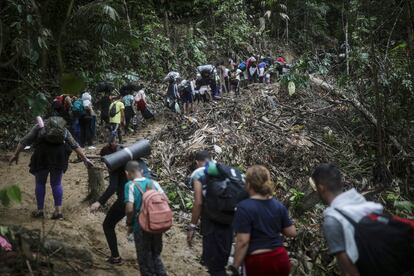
(96, 183)
(357, 104)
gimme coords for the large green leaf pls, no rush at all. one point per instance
(14, 193)
(72, 84)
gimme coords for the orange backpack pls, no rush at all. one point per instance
(155, 216)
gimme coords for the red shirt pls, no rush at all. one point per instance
(281, 60)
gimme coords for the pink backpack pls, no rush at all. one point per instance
(155, 216)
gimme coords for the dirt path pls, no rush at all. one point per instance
(82, 228)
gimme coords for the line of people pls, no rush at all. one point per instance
(364, 240)
(117, 112)
(212, 81)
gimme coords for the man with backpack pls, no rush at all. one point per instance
(148, 217)
(117, 117)
(207, 76)
(216, 218)
(363, 239)
(186, 92)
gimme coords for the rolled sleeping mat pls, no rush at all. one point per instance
(118, 159)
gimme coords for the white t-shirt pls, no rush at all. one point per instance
(140, 95)
(226, 72)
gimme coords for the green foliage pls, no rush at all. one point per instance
(9, 194)
(72, 84)
(295, 196)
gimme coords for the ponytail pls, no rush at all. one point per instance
(258, 179)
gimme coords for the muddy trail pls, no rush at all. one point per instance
(83, 229)
(289, 134)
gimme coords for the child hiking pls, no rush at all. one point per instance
(148, 245)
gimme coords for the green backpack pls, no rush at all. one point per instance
(54, 131)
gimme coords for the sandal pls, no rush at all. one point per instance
(57, 216)
(37, 214)
(115, 260)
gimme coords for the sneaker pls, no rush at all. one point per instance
(37, 214)
(57, 216)
(115, 260)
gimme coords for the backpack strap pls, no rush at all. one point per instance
(146, 186)
(348, 218)
(139, 188)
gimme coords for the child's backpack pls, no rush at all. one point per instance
(155, 215)
(385, 244)
(54, 130)
(242, 66)
(112, 110)
(77, 108)
(225, 189)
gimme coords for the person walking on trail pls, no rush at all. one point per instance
(235, 81)
(117, 117)
(86, 122)
(259, 222)
(148, 245)
(52, 144)
(217, 237)
(129, 102)
(105, 101)
(172, 91)
(207, 76)
(116, 212)
(251, 68)
(142, 105)
(363, 239)
(186, 96)
(261, 70)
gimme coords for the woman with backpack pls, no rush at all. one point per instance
(258, 223)
(53, 144)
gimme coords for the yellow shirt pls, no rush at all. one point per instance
(117, 118)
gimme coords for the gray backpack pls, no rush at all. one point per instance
(54, 131)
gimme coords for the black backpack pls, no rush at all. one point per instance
(223, 194)
(385, 245)
(112, 111)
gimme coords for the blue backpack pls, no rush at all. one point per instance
(77, 108)
(242, 66)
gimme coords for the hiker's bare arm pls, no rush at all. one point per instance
(290, 231)
(129, 211)
(15, 157)
(198, 202)
(346, 266)
(82, 156)
(242, 244)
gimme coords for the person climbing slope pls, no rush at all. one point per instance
(53, 144)
(117, 180)
(217, 236)
(128, 101)
(172, 90)
(142, 105)
(148, 245)
(259, 223)
(364, 240)
(186, 96)
(117, 117)
(207, 76)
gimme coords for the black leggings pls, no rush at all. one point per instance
(115, 214)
